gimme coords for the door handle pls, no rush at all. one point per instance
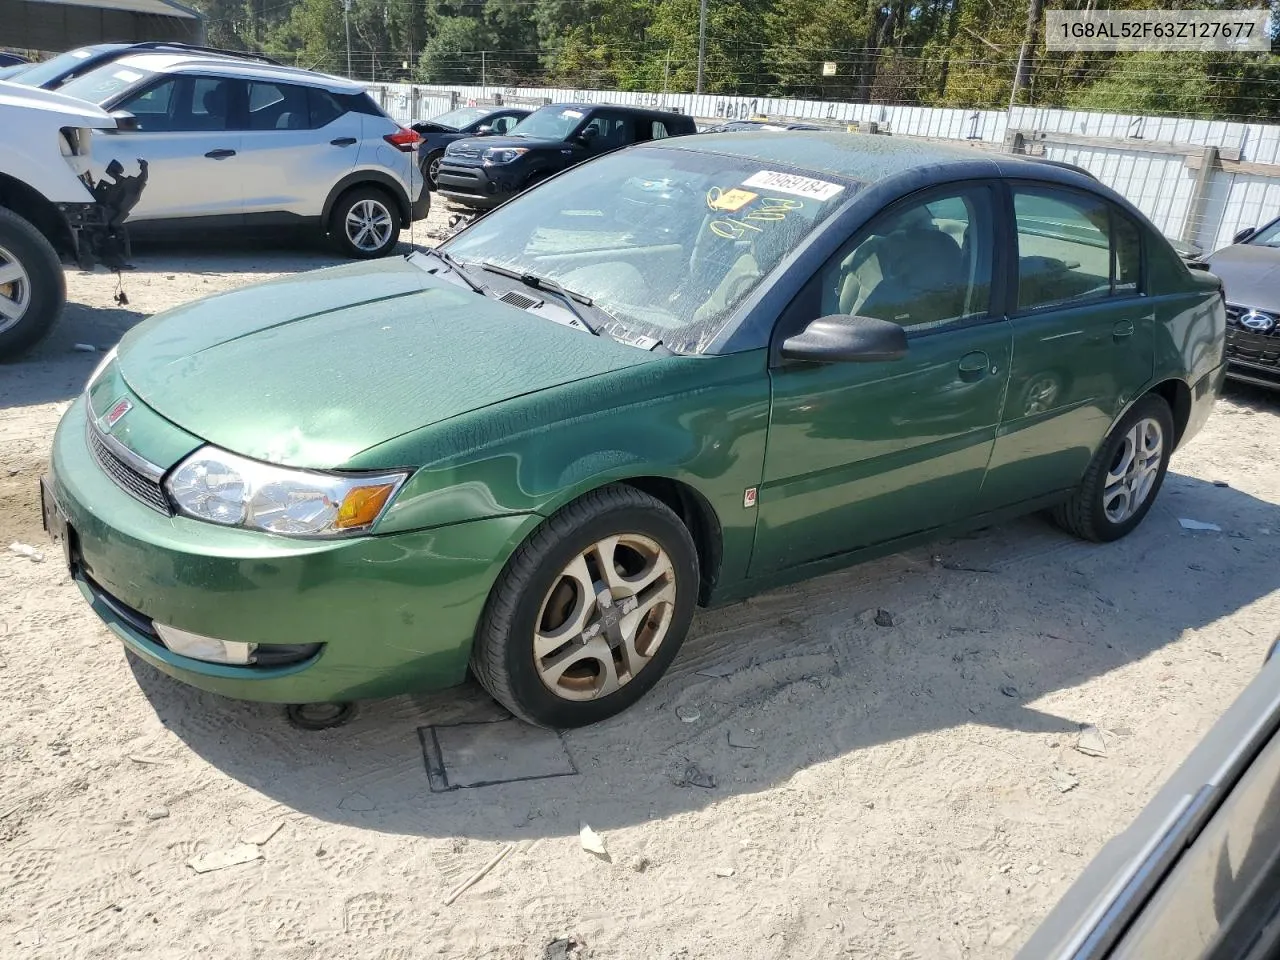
(1122, 329)
(220, 154)
(343, 142)
(973, 366)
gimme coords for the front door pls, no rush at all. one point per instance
(186, 134)
(863, 453)
(1083, 341)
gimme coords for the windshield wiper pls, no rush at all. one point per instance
(548, 286)
(454, 264)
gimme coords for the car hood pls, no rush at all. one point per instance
(311, 370)
(1251, 275)
(59, 108)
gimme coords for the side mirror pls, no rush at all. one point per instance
(484, 130)
(845, 339)
(587, 135)
(1244, 234)
(126, 122)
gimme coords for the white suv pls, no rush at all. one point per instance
(236, 144)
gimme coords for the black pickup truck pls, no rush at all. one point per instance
(483, 172)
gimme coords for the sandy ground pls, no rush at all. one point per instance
(903, 791)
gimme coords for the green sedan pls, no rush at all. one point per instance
(675, 376)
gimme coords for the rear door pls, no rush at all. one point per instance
(614, 130)
(298, 142)
(1083, 340)
(186, 134)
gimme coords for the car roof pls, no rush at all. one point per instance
(584, 107)
(864, 157)
(229, 67)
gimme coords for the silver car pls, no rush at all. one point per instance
(236, 144)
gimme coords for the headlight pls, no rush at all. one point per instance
(503, 154)
(102, 365)
(223, 488)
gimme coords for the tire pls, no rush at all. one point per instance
(1102, 511)
(537, 595)
(35, 290)
(431, 168)
(360, 207)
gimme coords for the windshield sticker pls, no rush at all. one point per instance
(732, 229)
(128, 76)
(793, 184)
(729, 200)
(775, 208)
(575, 114)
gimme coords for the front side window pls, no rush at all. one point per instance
(549, 123)
(924, 264)
(1072, 247)
(667, 242)
(502, 124)
(182, 105)
(1268, 236)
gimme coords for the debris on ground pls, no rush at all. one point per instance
(592, 842)
(1221, 483)
(724, 872)
(694, 776)
(479, 875)
(1090, 742)
(1064, 780)
(689, 714)
(261, 835)
(28, 551)
(157, 813)
(1009, 690)
(884, 618)
(641, 864)
(84, 348)
(566, 948)
(1188, 524)
(718, 671)
(743, 738)
(221, 859)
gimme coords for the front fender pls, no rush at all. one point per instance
(699, 421)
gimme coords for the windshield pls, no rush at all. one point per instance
(548, 123)
(1268, 236)
(105, 82)
(38, 74)
(457, 119)
(667, 242)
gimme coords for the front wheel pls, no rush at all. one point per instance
(431, 169)
(365, 223)
(1126, 474)
(589, 612)
(33, 288)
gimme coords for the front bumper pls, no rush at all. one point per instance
(392, 614)
(478, 186)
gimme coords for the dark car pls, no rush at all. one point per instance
(53, 73)
(438, 132)
(484, 172)
(1197, 873)
(12, 60)
(1250, 271)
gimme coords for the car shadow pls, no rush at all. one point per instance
(767, 688)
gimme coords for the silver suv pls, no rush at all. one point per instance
(236, 144)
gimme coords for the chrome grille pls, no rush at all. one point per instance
(463, 153)
(129, 479)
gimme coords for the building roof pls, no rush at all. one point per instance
(63, 24)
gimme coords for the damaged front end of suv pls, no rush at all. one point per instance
(52, 209)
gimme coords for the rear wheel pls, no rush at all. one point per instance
(589, 611)
(33, 288)
(431, 169)
(1126, 474)
(365, 223)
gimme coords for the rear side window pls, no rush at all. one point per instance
(323, 108)
(1072, 248)
(278, 106)
(359, 103)
(658, 130)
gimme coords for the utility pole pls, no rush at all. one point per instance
(702, 43)
(346, 20)
(1022, 75)
(666, 76)
(483, 71)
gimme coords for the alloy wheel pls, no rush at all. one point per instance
(15, 290)
(604, 617)
(369, 225)
(1134, 471)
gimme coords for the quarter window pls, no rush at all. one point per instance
(1073, 247)
(278, 106)
(924, 264)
